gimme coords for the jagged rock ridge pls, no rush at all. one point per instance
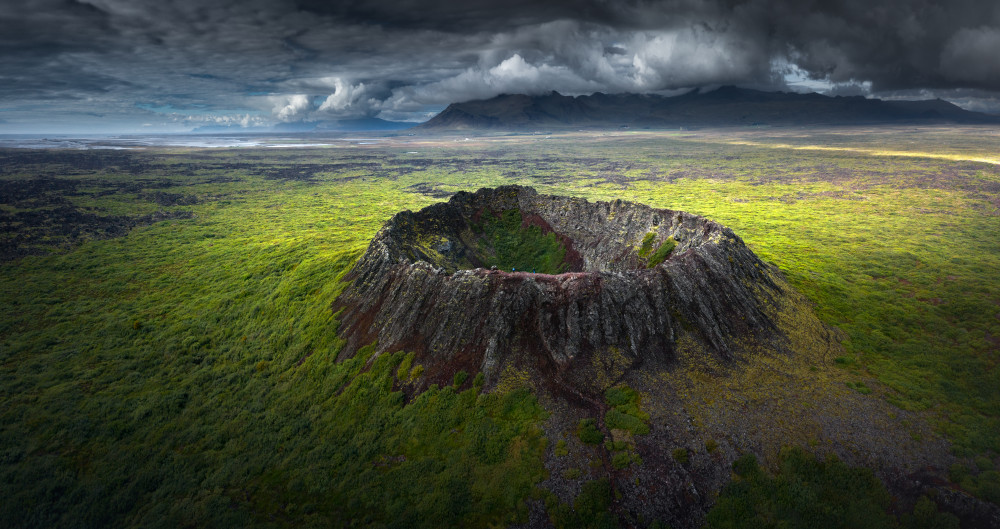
(418, 288)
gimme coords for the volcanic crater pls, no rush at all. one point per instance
(510, 277)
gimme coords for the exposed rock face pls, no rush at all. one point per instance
(420, 287)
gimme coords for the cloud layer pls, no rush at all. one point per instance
(183, 63)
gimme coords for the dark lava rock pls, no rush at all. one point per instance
(423, 286)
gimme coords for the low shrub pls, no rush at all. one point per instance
(588, 432)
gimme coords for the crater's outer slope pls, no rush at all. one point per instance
(407, 292)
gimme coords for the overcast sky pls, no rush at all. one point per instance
(81, 66)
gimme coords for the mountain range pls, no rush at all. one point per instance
(725, 106)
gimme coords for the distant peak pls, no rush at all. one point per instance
(728, 90)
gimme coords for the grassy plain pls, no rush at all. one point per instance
(170, 361)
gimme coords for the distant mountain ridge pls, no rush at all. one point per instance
(725, 106)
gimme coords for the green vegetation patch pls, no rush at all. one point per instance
(615, 419)
(464, 458)
(809, 493)
(622, 453)
(625, 413)
(572, 473)
(625, 458)
(503, 242)
(981, 480)
(403, 372)
(860, 387)
(588, 432)
(646, 246)
(661, 252)
(589, 509)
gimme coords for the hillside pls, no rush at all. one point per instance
(726, 106)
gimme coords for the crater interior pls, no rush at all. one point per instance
(516, 229)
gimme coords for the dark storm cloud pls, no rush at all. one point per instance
(44, 27)
(894, 44)
(467, 17)
(258, 61)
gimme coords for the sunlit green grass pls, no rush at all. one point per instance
(185, 374)
(170, 376)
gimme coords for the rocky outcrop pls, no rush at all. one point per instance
(421, 287)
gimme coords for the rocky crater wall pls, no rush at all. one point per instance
(423, 285)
